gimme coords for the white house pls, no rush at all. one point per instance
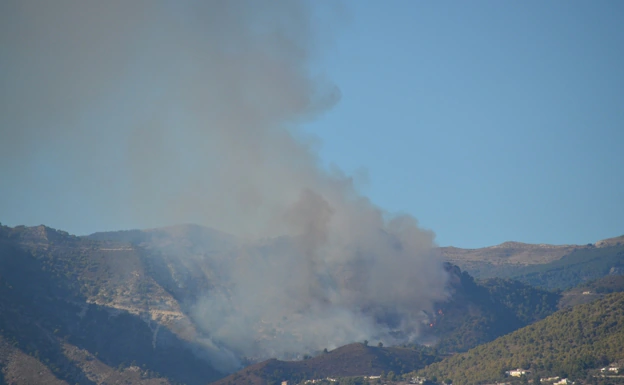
(612, 369)
(517, 372)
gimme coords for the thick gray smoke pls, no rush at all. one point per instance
(169, 112)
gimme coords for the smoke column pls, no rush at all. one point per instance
(163, 112)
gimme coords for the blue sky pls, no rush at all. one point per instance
(488, 121)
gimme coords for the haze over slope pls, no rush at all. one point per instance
(196, 105)
(493, 261)
(513, 259)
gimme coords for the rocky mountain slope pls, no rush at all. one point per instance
(615, 241)
(508, 253)
(90, 313)
(118, 306)
(578, 267)
(516, 259)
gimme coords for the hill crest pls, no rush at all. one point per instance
(615, 241)
(356, 359)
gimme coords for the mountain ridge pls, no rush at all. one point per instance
(144, 280)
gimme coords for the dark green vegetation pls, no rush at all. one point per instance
(481, 311)
(592, 290)
(61, 317)
(570, 343)
(350, 360)
(528, 303)
(605, 285)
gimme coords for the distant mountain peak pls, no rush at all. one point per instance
(521, 245)
(36, 234)
(610, 242)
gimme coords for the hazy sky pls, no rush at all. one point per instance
(488, 121)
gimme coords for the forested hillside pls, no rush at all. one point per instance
(350, 360)
(605, 285)
(481, 311)
(569, 344)
(528, 303)
(592, 290)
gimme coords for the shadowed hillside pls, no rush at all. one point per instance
(480, 311)
(350, 360)
(592, 290)
(77, 311)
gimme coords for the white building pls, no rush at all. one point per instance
(517, 372)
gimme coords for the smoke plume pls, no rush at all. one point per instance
(161, 112)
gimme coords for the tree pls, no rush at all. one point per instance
(365, 342)
(380, 344)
